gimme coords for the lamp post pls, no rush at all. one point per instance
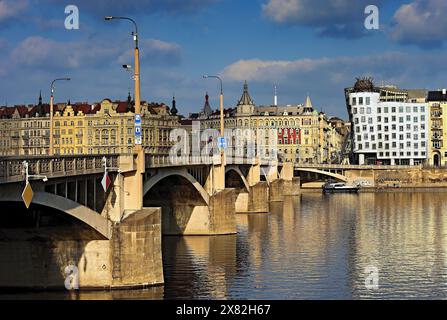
(222, 125)
(140, 161)
(138, 147)
(52, 111)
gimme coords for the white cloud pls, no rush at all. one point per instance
(39, 52)
(11, 8)
(340, 18)
(421, 22)
(325, 78)
(155, 52)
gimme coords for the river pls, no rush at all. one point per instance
(311, 246)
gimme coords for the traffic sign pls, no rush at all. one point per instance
(138, 119)
(105, 182)
(222, 143)
(27, 195)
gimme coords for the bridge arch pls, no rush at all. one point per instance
(162, 174)
(235, 169)
(74, 209)
(324, 173)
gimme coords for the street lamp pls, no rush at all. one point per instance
(137, 122)
(138, 147)
(222, 125)
(51, 111)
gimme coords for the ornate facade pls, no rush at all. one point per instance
(304, 135)
(101, 128)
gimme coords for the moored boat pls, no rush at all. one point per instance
(339, 187)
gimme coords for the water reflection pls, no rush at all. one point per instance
(312, 247)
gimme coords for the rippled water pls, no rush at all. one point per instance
(311, 247)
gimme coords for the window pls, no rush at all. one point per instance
(385, 109)
(368, 110)
(415, 109)
(401, 109)
(360, 100)
(367, 101)
(354, 101)
(393, 109)
(362, 110)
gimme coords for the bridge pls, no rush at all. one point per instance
(113, 237)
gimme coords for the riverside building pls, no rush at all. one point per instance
(390, 126)
(81, 128)
(302, 134)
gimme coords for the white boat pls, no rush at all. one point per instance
(339, 187)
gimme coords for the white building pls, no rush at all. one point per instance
(390, 126)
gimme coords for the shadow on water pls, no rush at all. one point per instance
(310, 247)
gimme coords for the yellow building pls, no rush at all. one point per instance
(102, 128)
(437, 104)
(303, 135)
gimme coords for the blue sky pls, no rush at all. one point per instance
(303, 46)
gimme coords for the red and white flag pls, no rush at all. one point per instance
(105, 182)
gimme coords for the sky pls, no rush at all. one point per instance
(315, 47)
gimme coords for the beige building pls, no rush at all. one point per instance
(303, 135)
(101, 128)
(437, 105)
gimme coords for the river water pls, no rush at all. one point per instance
(312, 246)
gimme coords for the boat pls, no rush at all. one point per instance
(339, 187)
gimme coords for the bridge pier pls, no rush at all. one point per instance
(80, 234)
(252, 193)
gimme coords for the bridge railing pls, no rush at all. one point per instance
(355, 167)
(164, 160)
(11, 168)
